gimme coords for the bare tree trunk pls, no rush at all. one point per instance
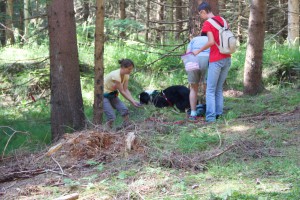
(178, 15)
(135, 18)
(223, 5)
(122, 15)
(37, 6)
(254, 54)
(9, 30)
(171, 17)
(194, 18)
(214, 4)
(26, 18)
(99, 68)
(160, 18)
(67, 111)
(147, 21)
(86, 10)
(19, 31)
(240, 16)
(2, 18)
(293, 22)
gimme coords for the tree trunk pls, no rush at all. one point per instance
(178, 12)
(37, 6)
(223, 5)
(86, 10)
(19, 31)
(171, 17)
(162, 18)
(122, 15)
(239, 28)
(2, 19)
(293, 22)
(9, 30)
(67, 111)
(254, 54)
(135, 18)
(214, 4)
(194, 18)
(26, 18)
(147, 21)
(99, 68)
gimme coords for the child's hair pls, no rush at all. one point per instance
(125, 63)
(204, 6)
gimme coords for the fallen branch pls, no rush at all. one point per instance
(25, 174)
(220, 153)
(14, 132)
(21, 174)
(68, 197)
(62, 171)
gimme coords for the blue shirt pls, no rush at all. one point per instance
(197, 43)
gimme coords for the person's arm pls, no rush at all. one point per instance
(189, 48)
(123, 89)
(210, 42)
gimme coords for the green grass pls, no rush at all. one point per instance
(196, 140)
(15, 77)
(245, 172)
(277, 100)
(28, 126)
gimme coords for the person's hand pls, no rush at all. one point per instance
(195, 53)
(136, 104)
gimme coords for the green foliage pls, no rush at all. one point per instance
(71, 183)
(30, 118)
(113, 27)
(282, 64)
(125, 174)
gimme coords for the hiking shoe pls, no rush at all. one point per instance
(193, 118)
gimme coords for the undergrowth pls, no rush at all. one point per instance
(25, 75)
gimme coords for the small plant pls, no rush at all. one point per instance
(71, 183)
(92, 162)
(262, 133)
(124, 174)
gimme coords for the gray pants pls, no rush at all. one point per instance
(114, 103)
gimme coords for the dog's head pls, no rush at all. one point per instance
(144, 98)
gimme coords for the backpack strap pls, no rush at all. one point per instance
(225, 23)
(217, 24)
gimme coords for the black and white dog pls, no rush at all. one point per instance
(176, 95)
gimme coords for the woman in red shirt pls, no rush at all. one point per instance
(219, 64)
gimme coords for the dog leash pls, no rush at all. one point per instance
(169, 102)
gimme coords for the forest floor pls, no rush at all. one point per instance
(129, 164)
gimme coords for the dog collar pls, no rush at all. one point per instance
(152, 94)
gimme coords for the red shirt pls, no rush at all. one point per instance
(215, 54)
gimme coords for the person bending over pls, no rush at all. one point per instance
(114, 83)
(197, 77)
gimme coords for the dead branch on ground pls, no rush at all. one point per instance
(14, 132)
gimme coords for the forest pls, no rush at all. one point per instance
(55, 139)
